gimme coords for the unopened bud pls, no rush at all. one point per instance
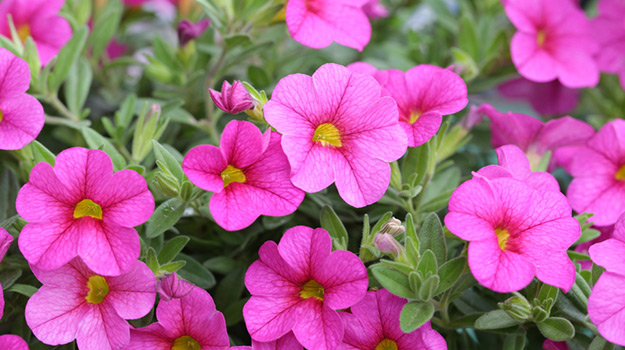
(171, 287)
(393, 227)
(233, 98)
(188, 30)
(518, 308)
(387, 244)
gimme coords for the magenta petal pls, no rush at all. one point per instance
(438, 89)
(272, 275)
(49, 245)
(609, 254)
(360, 179)
(532, 62)
(288, 341)
(5, 242)
(133, 293)
(344, 279)
(1, 302)
(269, 318)
(511, 128)
(22, 121)
(606, 307)
(107, 249)
(423, 129)
(86, 171)
(231, 207)
(362, 68)
(102, 329)
(241, 144)
(318, 327)
(312, 165)
(171, 287)
(153, 337)
(126, 200)
(13, 342)
(425, 336)
(44, 197)
(294, 97)
(203, 166)
(304, 249)
(15, 74)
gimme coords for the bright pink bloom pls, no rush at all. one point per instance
(515, 233)
(374, 324)
(598, 171)
(5, 242)
(298, 284)
(609, 31)
(249, 175)
(555, 345)
(115, 49)
(336, 128)
(81, 208)
(40, 20)
(548, 99)
(423, 94)
(21, 115)
(288, 341)
(170, 287)
(12, 342)
(76, 303)
(232, 98)
(192, 321)
(553, 41)
(562, 136)
(374, 10)
(513, 163)
(317, 23)
(606, 305)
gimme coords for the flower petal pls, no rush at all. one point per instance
(107, 249)
(606, 307)
(344, 279)
(133, 293)
(318, 326)
(203, 166)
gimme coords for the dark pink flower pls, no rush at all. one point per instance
(77, 303)
(40, 20)
(232, 98)
(286, 342)
(553, 41)
(317, 23)
(298, 285)
(555, 345)
(12, 342)
(548, 99)
(80, 207)
(249, 175)
(188, 30)
(609, 31)
(191, 322)
(373, 324)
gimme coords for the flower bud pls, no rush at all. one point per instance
(393, 227)
(188, 30)
(232, 98)
(374, 10)
(387, 244)
(518, 308)
(171, 287)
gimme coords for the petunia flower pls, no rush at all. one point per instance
(609, 31)
(12, 342)
(317, 23)
(287, 341)
(249, 175)
(188, 323)
(553, 41)
(598, 171)
(513, 163)
(606, 304)
(77, 303)
(5, 242)
(40, 20)
(548, 99)
(373, 324)
(515, 233)
(336, 129)
(423, 94)
(562, 136)
(232, 98)
(80, 207)
(21, 115)
(554, 345)
(188, 30)
(298, 284)
(170, 287)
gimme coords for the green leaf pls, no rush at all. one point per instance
(105, 26)
(221, 264)
(414, 315)
(557, 329)
(599, 343)
(168, 160)
(97, 141)
(173, 266)
(196, 273)
(331, 223)
(416, 162)
(394, 281)
(31, 55)
(172, 248)
(258, 76)
(66, 58)
(431, 237)
(597, 271)
(450, 272)
(23, 289)
(165, 217)
(428, 287)
(42, 154)
(151, 261)
(78, 85)
(495, 319)
(514, 342)
(428, 265)
(10, 186)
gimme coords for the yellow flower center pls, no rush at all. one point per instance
(98, 289)
(327, 134)
(414, 116)
(620, 174)
(232, 174)
(87, 207)
(1, 116)
(185, 343)
(540, 38)
(23, 32)
(387, 344)
(502, 237)
(311, 289)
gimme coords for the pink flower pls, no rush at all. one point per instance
(249, 175)
(553, 41)
(286, 342)
(374, 324)
(598, 171)
(562, 136)
(513, 163)
(609, 31)
(374, 10)
(188, 30)
(77, 303)
(12, 342)
(317, 23)
(606, 305)
(5, 242)
(298, 284)
(423, 94)
(21, 115)
(548, 99)
(515, 233)
(170, 287)
(40, 20)
(191, 322)
(336, 128)
(81, 208)
(232, 98)
(555, 345)
(115, 49)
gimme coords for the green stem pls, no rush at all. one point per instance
(208, 106)
(60, 107)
